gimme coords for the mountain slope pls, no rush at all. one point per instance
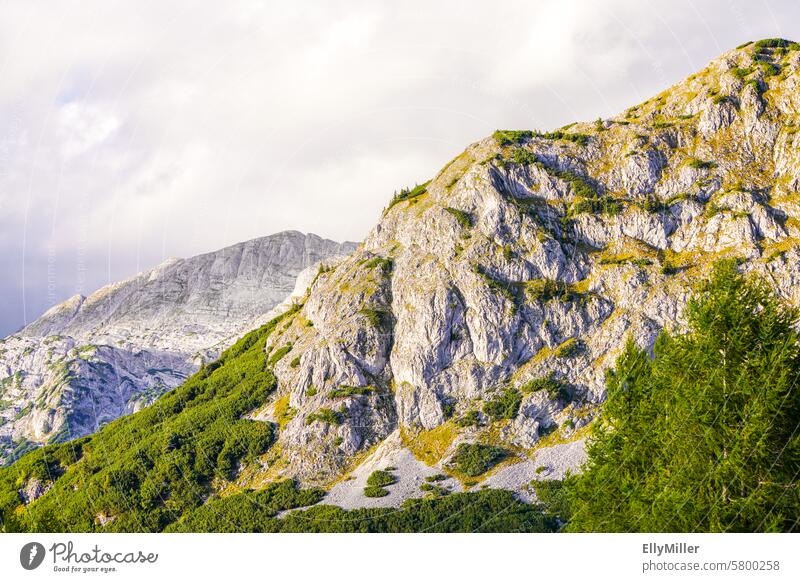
(477, 320)
(91, 359)
(498, 294)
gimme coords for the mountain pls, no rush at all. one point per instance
(512, 279)
(466, 341)
(91, 359)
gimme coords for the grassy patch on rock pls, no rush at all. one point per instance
(429, 446)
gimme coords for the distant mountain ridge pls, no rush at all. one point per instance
(90, 359)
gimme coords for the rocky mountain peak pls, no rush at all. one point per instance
(511, 280)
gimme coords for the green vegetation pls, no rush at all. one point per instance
(344, 391)
(545, 290)
(703, 436)
(149, 468)
(769, 69)
(503, 405)
(377, 317)
(523, 157)
(470, 418)
(434, 490)
(448, 409)
(508, 137)
(23, 411)
(483, 511)
(251, 511)
(282, 412)
(278, 354)
(375, 492)
(553, 496)
(578, 138)
(295, 362)
(21, 448)
(381, 479)
(429, 446)
(578, 184)
(625, 259)
(683, 196)
(555, 389)
(509, 290)
(741, 73)
(407, 194)
(472, 459)
(775, 43)
(570, 348)
(377, 482)
(698, 164)
(255, 511)
(596, 205)
(711, 210)
(385, 264)
(587, 200)
(653, 204)
(325, 416)
(463, 218)
(537, 290)
(759, 86)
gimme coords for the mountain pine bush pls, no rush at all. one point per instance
(704, 435)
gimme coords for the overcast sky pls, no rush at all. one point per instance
(135, 131)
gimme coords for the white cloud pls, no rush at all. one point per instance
(82, 127)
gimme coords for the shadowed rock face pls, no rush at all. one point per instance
(92, 359)
(532, 256)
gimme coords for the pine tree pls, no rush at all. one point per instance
(705, 435)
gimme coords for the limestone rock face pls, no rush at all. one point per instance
(92, 359)
(535, 256)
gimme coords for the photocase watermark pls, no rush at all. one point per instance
(66, 558)
(31, 555)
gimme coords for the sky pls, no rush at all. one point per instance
(131, 132)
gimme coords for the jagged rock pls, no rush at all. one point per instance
(33, 490)
(103, 519)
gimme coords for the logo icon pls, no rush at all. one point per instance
(31, 555)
